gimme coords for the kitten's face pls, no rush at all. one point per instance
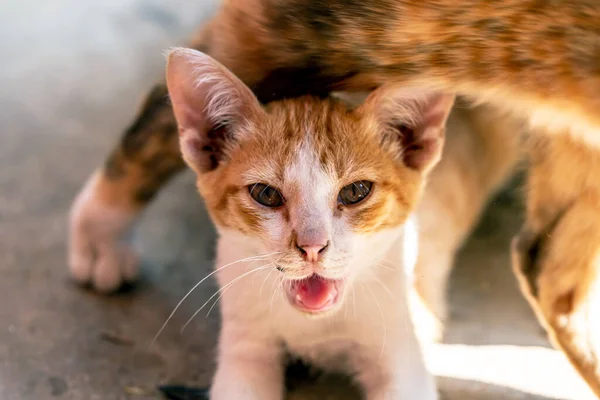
(319, 186)
(312, 182)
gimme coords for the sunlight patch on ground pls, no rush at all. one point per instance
(534, 370)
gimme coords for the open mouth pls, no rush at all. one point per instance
(315, 294)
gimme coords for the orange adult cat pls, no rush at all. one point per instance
(538, 58)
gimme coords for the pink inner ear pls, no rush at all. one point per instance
(423, 142)
(426, 111)
(422, 154)
(209, 103)
(206, 151)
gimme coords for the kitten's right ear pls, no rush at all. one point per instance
(413, 119)
(211, 106)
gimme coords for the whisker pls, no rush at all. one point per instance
(392, 264)
(383, 322)
(281, 292)
(354, 300)
(364, 293)
(266, 187)
(251, 258)
(387, 289)
(385, 266)
(278, 289)
(264, 281)
(274, 285)
(225, 287)
(250, 267)
(345, 309)
(223, 292)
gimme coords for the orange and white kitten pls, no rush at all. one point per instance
(315, 199)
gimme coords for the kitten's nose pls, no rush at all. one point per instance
(312, 252)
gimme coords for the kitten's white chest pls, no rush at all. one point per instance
(323, 342)
(332, 354)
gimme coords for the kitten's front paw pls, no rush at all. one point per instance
(241, 390)
(401, 395)
(99, 254)
(257, 376)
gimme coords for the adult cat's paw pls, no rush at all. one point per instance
(99, 254)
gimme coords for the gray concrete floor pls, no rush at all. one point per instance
(71, 77)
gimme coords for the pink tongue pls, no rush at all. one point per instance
(314, 292)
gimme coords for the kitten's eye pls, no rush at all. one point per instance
(355, 192)
(266, 195)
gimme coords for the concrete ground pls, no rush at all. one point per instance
(71, 77)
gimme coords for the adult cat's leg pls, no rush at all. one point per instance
(480, 154)
(299, 55)
(103, 212)
(268, 55)
(557, 255)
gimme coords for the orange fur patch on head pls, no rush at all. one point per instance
(395, 201)
(229, 212)
(348, 148)
(305, 152)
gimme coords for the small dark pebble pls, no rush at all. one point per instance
(177, 392)
(115, 338)
(58, 386)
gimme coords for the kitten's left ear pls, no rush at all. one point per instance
(411, 121)
(211, 105)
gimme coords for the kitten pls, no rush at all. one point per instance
(317, 200)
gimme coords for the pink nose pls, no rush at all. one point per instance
(312, 253)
